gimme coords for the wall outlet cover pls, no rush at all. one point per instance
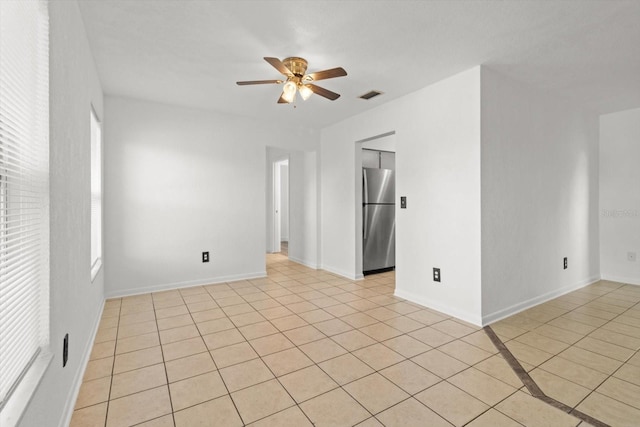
(436, 274)
(566, 264)
(205, 256)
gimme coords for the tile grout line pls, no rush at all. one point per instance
(282, 332)
(158, 331)
(531, 385)
(607, 321)
(316, 364)
(346, 289)
(350, 352)
(164, 364)
(378, 371)
(113, 367)
(619, 367)
(596, 328)
(296, 346)
(296, 404)
(210, 355)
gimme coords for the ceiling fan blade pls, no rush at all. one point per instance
(258, 82)
(278, 65)
(323, 92)
(327, 74)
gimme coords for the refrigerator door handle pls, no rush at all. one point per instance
(365, 201)
(365, 223)
(365, 193)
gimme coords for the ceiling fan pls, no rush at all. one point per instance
(294, 69)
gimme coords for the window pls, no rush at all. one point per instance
(96, 195)
(24, 202)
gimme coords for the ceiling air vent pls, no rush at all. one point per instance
(370, 94)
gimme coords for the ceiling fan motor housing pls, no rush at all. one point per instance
(298, 66)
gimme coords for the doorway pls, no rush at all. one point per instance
(375, 219)
(280, 242)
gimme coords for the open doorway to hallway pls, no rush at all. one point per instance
(281, 207)
(291, 205)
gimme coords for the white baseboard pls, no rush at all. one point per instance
(344, 274)
(524, 305)
(627, 280)
(185, 284)
(77, 380)
(462, 315)
(304, 262)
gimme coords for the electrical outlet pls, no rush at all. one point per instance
(631, 256)
(403, 202)
(205, 256)
(436, 274)
(65, 350)
(566, 264)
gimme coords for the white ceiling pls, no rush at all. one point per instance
(191, 53)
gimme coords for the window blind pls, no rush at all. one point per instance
(24, 188)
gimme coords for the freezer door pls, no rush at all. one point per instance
(379, 186)
(379, 243)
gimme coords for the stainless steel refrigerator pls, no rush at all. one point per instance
(378, 219)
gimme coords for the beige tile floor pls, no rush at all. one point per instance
(582, 349)
(305, 347)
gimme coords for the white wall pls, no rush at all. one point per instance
(182, 181)
(620, 196)
(539, 196)
(438, 169)
(75, 302)
(284, 203)
(303, 208)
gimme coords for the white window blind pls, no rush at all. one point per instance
(96, 195)
(24, 189)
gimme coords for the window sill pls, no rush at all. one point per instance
(19, 400)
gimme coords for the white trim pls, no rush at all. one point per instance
(96, 268)
(303, 262)
(524, 305)
(67, 413)
(462, 315)
(187, 284)
(96, 205)
(342, 273)
(626, 280)
(17, 404)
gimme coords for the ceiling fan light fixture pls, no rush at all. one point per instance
(289, 91)
(305, 92)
